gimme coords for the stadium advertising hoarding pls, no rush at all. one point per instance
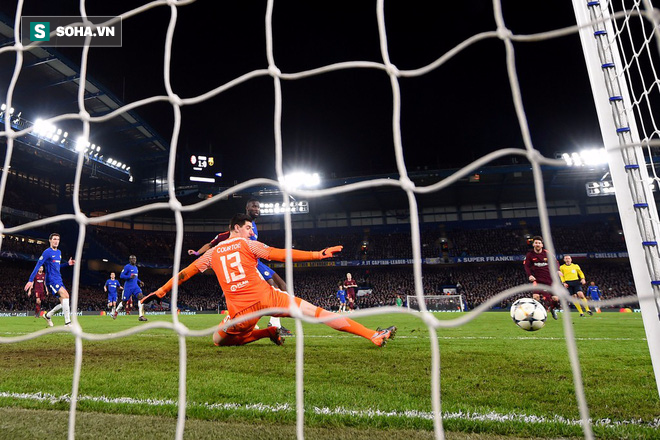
(453, 260)
(488, 258)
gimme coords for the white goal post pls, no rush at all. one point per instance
(437, 303)
(621, 83)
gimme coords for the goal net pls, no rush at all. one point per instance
(621, 48)
(437, 303)
(620, 44)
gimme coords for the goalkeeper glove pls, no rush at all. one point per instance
(329, 252)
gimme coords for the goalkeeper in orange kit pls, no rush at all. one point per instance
(234, 262)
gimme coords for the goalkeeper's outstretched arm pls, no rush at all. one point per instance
(276, 254)
(181, 278)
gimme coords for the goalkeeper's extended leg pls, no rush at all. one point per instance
(154, 296)
(343, 324)
(222, 339)
(244, 333)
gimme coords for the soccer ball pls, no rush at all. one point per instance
(528, 314)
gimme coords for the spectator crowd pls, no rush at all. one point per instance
(377, 286)
(157, 247)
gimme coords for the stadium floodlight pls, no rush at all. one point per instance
(600, 189)
(38, 125)
(606, 188)
(4, 107)
(587, 157)
(577, 160)
(301, 179)
(594, 156)
(44, 129)
(297, 207)
(81, 144)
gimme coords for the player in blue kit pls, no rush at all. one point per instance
(132, 287)
(111, 286)
(595, 294)
(51, 260)
(254, 210)
(341, 296)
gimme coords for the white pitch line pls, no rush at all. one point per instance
(340, 336)
(368, 413)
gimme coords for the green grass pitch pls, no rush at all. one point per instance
(496, 380)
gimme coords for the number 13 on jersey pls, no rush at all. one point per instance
(237, 273)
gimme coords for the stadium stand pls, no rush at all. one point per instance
(318, 285)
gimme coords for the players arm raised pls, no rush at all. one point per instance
(40, 262)
(218, 238)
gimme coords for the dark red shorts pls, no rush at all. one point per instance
(547, 296)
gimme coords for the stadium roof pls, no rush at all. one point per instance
(48, 86)
(491, 185)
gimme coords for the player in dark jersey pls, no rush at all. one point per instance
(39, 288)
(538, 271)
(351, 286)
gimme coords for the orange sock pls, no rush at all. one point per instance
(344, 324)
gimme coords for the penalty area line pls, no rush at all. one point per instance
(338, 411)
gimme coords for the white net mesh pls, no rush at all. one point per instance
(437, 303)
(395, 75)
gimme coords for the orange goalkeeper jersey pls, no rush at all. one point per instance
(234, 262)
